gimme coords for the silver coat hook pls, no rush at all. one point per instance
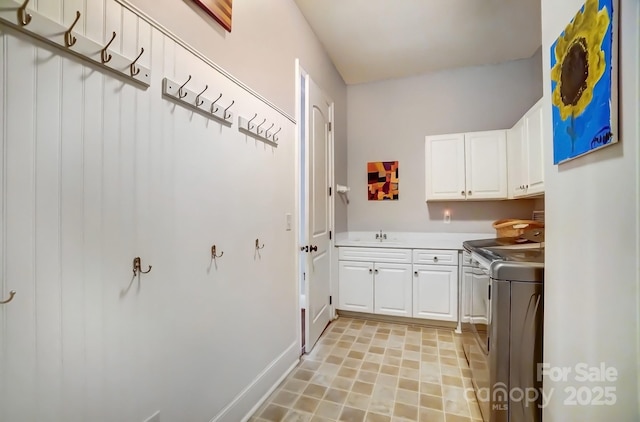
(213, 252)
(199, 102)
(214, 103)
(258, 128)
(104, 56)
(249, 122)
(23, 17)
(274, 135)
(69, 39)
(137, 267)
(258, 247)
(180, 94)
(267, 131)
(132, 67)
(12, 293)
(226, 116)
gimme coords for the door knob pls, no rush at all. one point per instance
(313, 248)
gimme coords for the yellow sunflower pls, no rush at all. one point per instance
(580, 61)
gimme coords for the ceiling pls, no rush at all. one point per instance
(371, 40)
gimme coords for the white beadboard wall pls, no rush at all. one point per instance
(96, 171)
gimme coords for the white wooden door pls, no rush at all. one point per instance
(435, 292)
(486, 164)
(517, 169)
(534, 150)
(318, 282)
(392, 286)
(355, 285)
(444, 167)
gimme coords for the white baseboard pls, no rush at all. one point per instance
(254, 394)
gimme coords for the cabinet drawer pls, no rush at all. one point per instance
(401, 256)
(466, 259)
(434, 256)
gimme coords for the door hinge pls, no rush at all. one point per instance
(330, 300)
(329, 234)
(329, 190)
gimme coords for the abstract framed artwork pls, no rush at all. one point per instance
(584, 82)
(382, 179)
(220, 10)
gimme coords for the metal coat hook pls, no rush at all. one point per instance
(274, 135)
(69, 39)
(104, 56)
(214, 103)
(213, 253)
(272, 125)
(132, 67)
(137, 267)
(180, 94)
(249, 122)
(23, 18)
(258, 247)
(258, 128)
(226, 116)
(199, 102)
(12, 293)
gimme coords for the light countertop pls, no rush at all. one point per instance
(408, 240)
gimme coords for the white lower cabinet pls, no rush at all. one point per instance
(435, 292)
(392, 286)
(465, 302)
(355, 282)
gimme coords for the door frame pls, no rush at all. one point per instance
(300, 73)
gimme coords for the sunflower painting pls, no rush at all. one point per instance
(583, 83)
(382, 179)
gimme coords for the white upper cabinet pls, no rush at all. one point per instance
(466, 166)
(526, 161)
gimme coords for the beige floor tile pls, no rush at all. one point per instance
(284, 398)
(336, 396)
(306, 404)
(431, 402)
(329, 410)
(455, 418)
(408, 384)
(362, 388)
(294, 385)
(430, 415)
(405, 411)
(431, 389)
(374, 417)
(358, 401)
(349, 414)
(342, 383)
(315, 391)
(297, 416)
(453, 381)
(370, 366)
(274, 413)
(457, 407)
(389, 370)
(408, 397)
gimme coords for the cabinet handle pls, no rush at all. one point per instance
(376, 271)
(435, 259)
(415, 273)
(462, 192)
(469, 193)
(370, 271)
(527, 187)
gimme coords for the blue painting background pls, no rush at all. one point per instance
(596, 119)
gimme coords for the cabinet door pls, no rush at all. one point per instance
(516, 166)
(355, 285)
(534, 151)
(444, 162)
(392, 289)
(435, 292)
(465, 295)
(486, 164)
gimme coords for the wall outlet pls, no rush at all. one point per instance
(153, 418)
(287, 221)
(447, 217)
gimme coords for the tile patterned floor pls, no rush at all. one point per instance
(373, 371)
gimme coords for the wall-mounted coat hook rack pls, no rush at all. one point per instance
(12, 293)
(23, 17)
(196, 102)
(213, 253)
(258, 247)
(137, 267)
(13, 14)
(247, 126)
